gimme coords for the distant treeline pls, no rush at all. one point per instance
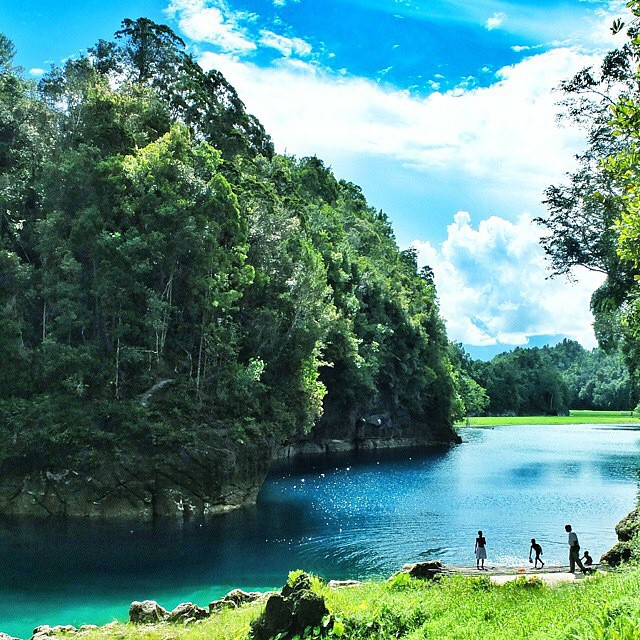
(546, 381)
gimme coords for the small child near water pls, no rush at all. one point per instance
(538, 549)
(587, 560)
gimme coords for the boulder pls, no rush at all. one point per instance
(6, 636)
(308, 611)
(42, 632)
(219, 605)
(43, 628)
(187, 611)
(290, 612)
(619, 553)
(241, 597)
(235, 598)
(275, 619)
(147, 611)
(629, 526)
(431, 570)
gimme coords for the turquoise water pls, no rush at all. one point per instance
(349, 517)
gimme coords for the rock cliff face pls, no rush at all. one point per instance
(376, 431)
(184, 481)
(177, 483)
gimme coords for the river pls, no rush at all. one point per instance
(347, 517)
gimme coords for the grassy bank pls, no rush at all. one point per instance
(575, 417)
(458, 607)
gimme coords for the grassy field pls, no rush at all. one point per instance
(606, 606)
(575, 417)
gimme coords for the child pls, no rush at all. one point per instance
(538, 549)
(587, 560)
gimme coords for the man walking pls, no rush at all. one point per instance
(574, 550)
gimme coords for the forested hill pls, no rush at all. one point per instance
(546, 381)
(176, 299)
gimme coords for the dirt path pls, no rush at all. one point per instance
(501, 575)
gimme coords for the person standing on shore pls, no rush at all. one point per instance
(574, 550)
(480, 550)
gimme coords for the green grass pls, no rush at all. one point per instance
(473, 609)
(229, 624)
(575, 417)
(458, 607)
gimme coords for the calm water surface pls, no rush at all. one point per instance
(352, 517)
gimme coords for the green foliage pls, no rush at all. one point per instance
(462, 608)
(545, 381)
(293, 576)
(594, 221)
(165, 278)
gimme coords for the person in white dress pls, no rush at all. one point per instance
(481, 551)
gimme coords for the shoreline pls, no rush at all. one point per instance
(427, 571)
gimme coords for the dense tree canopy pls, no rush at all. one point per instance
(165, 278)
(549, 380)
(594, 220)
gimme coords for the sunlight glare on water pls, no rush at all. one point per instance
(345, 517)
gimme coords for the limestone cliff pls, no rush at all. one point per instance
(182, 481)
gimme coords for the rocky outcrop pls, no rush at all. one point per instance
(236, 598)
(628, 545)
(147, 611)
(431, 570)
(45, 632)
(370, 433)
(183, 480)
(290, 612)
(125, 485)
(6, 636)
(187, 612)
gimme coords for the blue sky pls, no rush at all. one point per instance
(442, 110)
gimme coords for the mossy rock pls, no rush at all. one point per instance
(629, 526)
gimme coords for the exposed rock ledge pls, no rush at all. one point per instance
(179, 483)
(184, 481)
(323, 447)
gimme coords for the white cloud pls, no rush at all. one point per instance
(36, 72)
(494, 288)
(504, 136)
(496, 20)
(503, 139)
(203, 21)
(286, 46)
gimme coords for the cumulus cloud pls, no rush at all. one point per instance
(217, 24)
(504, 136)
(495, 20)
(36, 72)
(494, 288)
